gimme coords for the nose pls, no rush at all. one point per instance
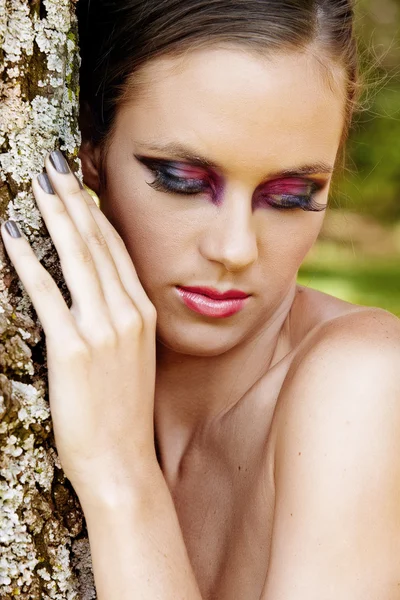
(231, 239)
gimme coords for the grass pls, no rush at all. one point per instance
(366, 280)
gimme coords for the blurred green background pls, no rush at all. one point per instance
(357, 257)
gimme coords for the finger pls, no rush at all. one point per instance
(46, 298)
(72, 195)
(76, 260)
(122, 260)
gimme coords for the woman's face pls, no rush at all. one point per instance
(250, 138)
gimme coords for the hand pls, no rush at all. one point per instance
(101, 352)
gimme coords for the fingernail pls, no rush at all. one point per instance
(59, 162)
(45, 183)
(12, 229)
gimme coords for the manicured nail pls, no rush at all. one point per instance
(59, 162)
(12, 229)
(45, 183)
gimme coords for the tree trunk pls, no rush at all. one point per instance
(44, 550)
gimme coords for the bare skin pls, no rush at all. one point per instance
(277, 429)
(214, 413)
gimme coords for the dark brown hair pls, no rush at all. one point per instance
(117, 37)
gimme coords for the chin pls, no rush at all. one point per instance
(203, 339)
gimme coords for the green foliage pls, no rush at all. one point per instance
(371, 185)
(374, 149)
(372, 282)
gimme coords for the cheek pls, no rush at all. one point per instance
(162, 233)
(148, 236)
(158, 237)
(287, 239)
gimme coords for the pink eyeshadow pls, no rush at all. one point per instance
(286, 186)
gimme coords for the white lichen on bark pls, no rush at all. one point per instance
(41, 556)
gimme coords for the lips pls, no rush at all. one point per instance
(212, 293)
(211, 303)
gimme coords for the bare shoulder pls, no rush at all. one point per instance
(333, 325)
(353, 335)
(341, 395)
(346, 370)
(351, 348)
(336, 470)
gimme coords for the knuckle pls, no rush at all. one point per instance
(72, 349)
(72, 193)
(104, 338)
(59, 209)
(77, 349)
(82, 253)
(95, 238)
(27, 256)
(44, 284)
(118, 239)
(130, 322)
(150, 313)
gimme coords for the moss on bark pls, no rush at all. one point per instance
(44, 551)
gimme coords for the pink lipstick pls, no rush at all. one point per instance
(211, 303)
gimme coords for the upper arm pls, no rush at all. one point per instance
(336, 531)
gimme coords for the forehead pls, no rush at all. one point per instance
(235, 106)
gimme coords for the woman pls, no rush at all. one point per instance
(230, 435)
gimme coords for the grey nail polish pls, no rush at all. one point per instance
(59, 162)
(13, 229)
(45, 183)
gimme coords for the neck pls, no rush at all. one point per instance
(193, 392)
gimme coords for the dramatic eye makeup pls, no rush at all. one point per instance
(285, 193)
(289, 193)
(182, 178)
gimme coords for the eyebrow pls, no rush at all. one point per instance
(182, 152)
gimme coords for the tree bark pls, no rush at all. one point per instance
(44, 550)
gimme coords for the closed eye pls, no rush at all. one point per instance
(286, 193)
(176, 178)
(289, 194)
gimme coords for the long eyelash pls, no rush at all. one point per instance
(307, 203)
(162, 183)
(167, 182)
